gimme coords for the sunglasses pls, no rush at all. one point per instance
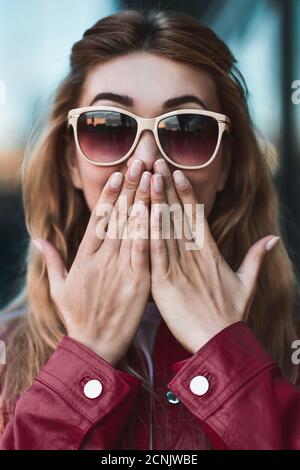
(187, 138)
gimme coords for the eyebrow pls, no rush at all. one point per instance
(128, 101)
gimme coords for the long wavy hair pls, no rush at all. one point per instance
(245, 211)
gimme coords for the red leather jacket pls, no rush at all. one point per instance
(237, 400)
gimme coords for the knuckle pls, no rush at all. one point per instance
(101, 222)
(157, 200)
(158, 249)
(109, 195)
(140, 247)
(141, 197)
(100, 231)
(103, 209)
(168, 182)
(130, 185)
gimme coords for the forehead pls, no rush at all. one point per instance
(150, 80)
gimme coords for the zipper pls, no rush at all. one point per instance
(151, 425)
(151, 402)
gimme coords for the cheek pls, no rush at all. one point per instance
(93, 179)
(205, 184)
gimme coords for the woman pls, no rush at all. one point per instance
(141, 342)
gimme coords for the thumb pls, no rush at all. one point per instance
(54, 263)
(249, 269)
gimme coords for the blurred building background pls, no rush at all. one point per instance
(35, 41)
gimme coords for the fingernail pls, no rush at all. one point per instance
(158, 183)
(145, 181)
(116, 180)
(162, 167)
(135, 168)
(38, 245)
(271, 243)
(180, 179)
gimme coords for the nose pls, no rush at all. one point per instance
(146, 150)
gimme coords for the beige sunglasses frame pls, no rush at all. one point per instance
(152, 125)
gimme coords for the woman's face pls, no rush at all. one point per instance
(149, 80)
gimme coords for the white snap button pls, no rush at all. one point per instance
(199, 385)
(92, 388)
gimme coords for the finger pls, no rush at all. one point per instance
(140, 243)
(143, 190)
(122, 207)
(159, 255)
(175, 205)
(250, 267)
(142, 195)
(55, 266)
(99, 218)
(196, 225)
(158, 196)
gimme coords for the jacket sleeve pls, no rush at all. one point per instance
(55, 413)
(237, 391)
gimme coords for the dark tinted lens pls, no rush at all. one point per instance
(105, 136)
(189, 139)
